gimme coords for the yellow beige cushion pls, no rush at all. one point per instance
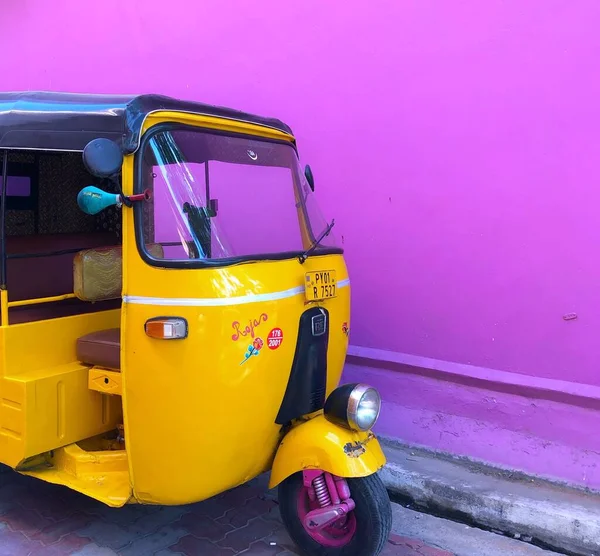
(98, 273)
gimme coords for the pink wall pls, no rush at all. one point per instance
(456, 144)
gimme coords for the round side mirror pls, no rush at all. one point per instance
(309, 177)
(102, 158)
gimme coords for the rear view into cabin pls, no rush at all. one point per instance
(43, 231)
(61, 298)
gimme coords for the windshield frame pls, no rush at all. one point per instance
(138, 216)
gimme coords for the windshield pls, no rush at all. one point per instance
(217, 197)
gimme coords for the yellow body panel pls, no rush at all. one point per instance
(198, 417)
(319, 444)
(45, 401)
(217, 411)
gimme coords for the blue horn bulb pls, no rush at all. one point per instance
(92, 200)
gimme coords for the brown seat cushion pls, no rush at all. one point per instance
(102, 348)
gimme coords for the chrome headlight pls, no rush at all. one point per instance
(354, 406)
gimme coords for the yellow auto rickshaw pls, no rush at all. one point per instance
(175, 315)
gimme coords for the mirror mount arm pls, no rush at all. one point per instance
(128, 200)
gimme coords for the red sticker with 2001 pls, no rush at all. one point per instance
(274, 338)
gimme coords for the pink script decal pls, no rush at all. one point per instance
(248, 329)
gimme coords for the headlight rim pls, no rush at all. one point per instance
(342, 403)
(357, 394)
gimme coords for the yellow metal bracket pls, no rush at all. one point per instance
(105, 381)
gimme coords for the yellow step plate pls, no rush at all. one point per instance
(103, 476)
(105, 381)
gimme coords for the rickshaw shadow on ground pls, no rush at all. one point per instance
(41, 518)
(38, 518)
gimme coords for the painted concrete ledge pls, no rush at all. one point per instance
(561, 518)
(583, 395)
(543, 427)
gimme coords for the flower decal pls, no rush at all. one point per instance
(258, 344)
(253, 349)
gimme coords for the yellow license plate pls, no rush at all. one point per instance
(320, 285)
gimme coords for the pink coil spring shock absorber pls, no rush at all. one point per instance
(322, 491)
(332, 496)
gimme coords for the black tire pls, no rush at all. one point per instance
(373, 515)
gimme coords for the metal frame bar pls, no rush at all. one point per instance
(3, 220)
(3, 291)
(39, 300)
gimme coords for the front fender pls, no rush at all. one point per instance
(319, 444)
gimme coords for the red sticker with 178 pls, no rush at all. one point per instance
(274, 338)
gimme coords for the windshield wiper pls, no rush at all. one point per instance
(315, 243)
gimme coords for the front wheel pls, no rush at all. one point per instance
(362, 532)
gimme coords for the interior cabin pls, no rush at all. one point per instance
(60, 314)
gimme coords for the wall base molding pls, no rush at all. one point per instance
(548, 428)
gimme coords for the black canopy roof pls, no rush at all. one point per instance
(68, 121)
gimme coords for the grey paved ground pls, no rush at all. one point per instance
(37, 518)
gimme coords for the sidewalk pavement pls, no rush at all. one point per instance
(561, 518)
(38, 518)
(458, 538)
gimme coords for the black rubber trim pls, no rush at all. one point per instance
(198, 263)
(306, 388)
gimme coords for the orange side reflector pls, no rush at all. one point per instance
(166, 328)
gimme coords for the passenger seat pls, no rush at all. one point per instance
(98, 276)
(102, 348)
